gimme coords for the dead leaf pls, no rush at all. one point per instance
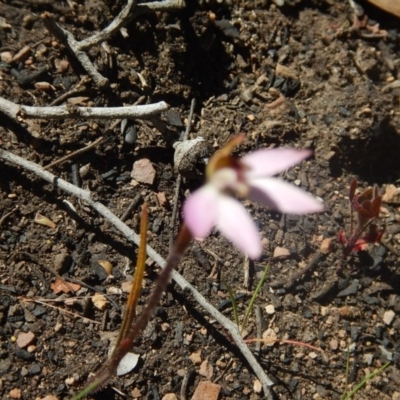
(59, 286)
(42, 220)
(206, 390)
(99, 301)
(107, 266)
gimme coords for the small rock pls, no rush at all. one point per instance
(396, 396)
(99, 301)
(206, 369)
(269, 334)
(15, 393)
(170, 396)
(161, 198)
(127, 363)
(270, 309)
(143, 171)
(136, 393)
(388, 354)
(196, 357)
(22, 55)
(62, 262)
(326, 246)
(34, 369)
(388, 317)
(368, 357)
(25, 339)
(312, 355)
(334, 344)
(281, 252)
(6, 57)
(206, 390)
(257, 387)
(126, 286)
(391, 195)
(31, 348)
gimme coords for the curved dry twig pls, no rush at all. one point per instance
(118, 22)
(78, 48)
(84, 195)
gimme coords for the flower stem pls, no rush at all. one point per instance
(129, 332)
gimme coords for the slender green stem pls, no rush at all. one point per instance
(233, 301)
(253, 298)
(347, 373)
(89, 388)
(365, 380)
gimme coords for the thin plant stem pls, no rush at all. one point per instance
(136, 289)
(175, 256)
(347, 373)
(253, 298)
(233, 301)
(365, 380)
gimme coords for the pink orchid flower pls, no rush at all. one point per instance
(249, 177)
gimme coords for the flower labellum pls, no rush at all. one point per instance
(249, 177)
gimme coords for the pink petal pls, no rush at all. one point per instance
(200, 211)
(269, 162)
(283, 196)
(235, 224)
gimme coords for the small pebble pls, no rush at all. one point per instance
(6, 57)
(34, 369)
(15, 393)
(270, 309)
(257, 387)
(206, 369)
(25, 339)
(326, 246)
(388, 317)
(281, 252)
(334, 344)
(143, 171)
(99, 301)
(196, 357)
(170, 396)
(391, 195)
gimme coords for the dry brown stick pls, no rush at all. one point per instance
(76, 153)
(5, 216)
(33, 259)
(230, 327)
(45, 303)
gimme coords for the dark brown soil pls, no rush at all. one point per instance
(308, 75)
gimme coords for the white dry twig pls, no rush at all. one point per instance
(19, 112)
(85, 196)
(128, 12)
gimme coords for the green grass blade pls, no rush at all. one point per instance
(347, 373)
(366, 379)
(233, 301)
(253, 298)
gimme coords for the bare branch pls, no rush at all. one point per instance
(68, 39)
(119, 21)
(63, 112)
(125, 16)
(84, 195)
